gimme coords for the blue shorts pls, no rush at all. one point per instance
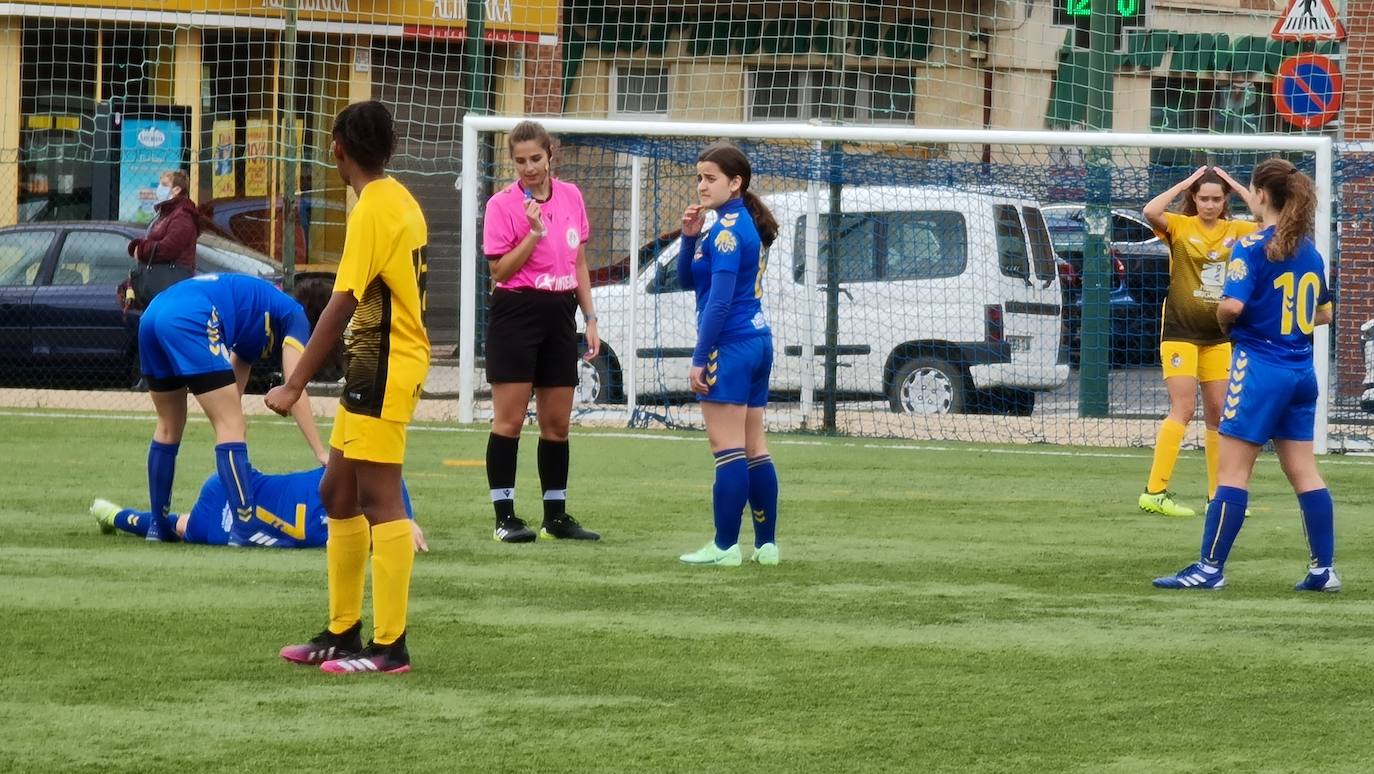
(738, 372)
(209, 521)
(180, 341)
(1265, 400)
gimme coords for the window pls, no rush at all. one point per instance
(802, 95)
(1128, 229)
(889, 246)
(858, 254)
(666, 280)
(21, 255)
(1041, 249)
(93, 258)
(925, 245)
(640, 91)
(1011, 243)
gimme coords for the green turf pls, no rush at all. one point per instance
(960, 609)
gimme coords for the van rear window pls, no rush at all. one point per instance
(1012, 255)
(1042, 250)
(889, 246)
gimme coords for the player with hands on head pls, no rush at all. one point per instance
(1193, 350)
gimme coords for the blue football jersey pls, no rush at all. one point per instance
(255, 317)
(290, 513)
(1281, 299)
(731, 246)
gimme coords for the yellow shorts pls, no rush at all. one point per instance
(368, 438)
(1204, 362)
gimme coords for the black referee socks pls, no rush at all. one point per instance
(553, 477)
(501, 456)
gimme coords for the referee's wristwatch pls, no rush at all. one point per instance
(591, 318)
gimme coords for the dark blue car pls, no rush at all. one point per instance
(61, 322)
(1139, 281)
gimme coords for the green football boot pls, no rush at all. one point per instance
(1163, 503)
(710, 555)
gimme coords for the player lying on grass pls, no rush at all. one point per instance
(290, 514)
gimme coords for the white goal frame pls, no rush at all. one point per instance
(473, 125)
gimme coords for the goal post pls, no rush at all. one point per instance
(649, 145)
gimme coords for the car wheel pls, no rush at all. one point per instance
(927, 385)
(595, 379)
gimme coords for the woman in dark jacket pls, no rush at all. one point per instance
(171, 237)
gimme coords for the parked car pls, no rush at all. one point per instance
(61, 321)
(1139, 281)
(947, 296)
(249, 220)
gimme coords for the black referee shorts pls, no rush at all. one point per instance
(532, 337)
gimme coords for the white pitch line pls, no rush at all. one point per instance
(773, 441)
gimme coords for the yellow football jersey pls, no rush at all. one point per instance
(1197, 270)
(386, 347)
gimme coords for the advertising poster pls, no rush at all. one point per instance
(148, 147)
(222, 166)
(257, 150)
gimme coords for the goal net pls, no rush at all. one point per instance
(928, 284)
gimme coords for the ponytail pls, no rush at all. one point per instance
(764, 222)
(1294, 196)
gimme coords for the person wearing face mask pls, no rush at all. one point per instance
(1193, 350)
(166, 254)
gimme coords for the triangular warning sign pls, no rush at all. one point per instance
(1308, 20)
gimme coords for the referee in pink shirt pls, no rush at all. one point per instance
(534, 234)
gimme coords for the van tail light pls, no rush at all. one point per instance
(993, 329)
(1068, 278)
(1119, 267)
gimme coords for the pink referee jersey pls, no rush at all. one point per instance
(553, 264)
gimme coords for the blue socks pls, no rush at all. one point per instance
(236, 476)
(134, 522)
(763, 499)
(162, 467)
(1318, 521)
(729, 495)
(1225, 515)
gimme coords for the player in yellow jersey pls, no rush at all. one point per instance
(379, 298)
(1193, 349)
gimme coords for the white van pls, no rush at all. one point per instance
(947, 297)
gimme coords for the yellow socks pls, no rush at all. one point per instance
(393, 555)
(1167, 444)
(346, 553)
(1213, 448)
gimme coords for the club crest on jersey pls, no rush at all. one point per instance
(725, 242)
(1236, 270)
(572, 237)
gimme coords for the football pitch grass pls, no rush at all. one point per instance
(939, 608)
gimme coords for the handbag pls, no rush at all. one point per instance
(148, 279)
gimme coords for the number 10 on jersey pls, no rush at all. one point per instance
(1298, 302)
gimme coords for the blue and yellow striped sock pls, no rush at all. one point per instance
(1225, 516)
(729, 495)
(135, 522)
(236, 476)
(763, 499)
